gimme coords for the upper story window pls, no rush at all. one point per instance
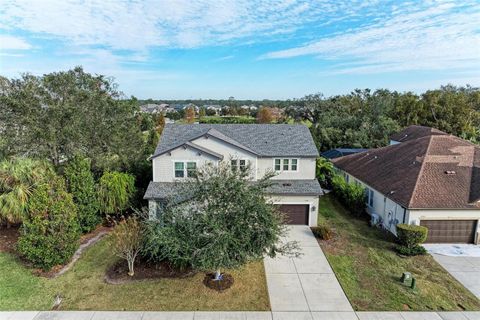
(239, 164)
(286, 164)
(185, 169)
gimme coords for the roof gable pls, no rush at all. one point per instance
(264, 140)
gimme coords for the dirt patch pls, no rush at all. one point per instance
(219, 285)
(8, 239)
(144, 270)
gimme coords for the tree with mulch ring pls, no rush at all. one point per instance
(224, 282)
(218, 220)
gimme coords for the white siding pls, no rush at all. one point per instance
(305, 171)
(312, 201)
(389, 211)
(163, 166)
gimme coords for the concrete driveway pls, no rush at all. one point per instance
(465, 269)
(306, 283)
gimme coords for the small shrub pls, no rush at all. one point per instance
(81, 185)
(411, 236)
(413, 251)
(50, 234)
(127, 241)
(351, 195)
(323, 232)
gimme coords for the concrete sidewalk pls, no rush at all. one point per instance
(306, 283)
(199, 315)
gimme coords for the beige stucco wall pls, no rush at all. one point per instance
(312, 201)
(306, 169)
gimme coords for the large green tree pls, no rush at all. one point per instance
(223, 221)
(61, 114)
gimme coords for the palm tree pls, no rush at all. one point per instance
(18, 178)
(325, 171)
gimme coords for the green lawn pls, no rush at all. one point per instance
(83, 288)
(368, 269)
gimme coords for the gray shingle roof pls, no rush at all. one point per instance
(295, 187)
(263, 140)
(163, 190)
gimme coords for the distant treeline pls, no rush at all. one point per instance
(366, 118)
(222, 102)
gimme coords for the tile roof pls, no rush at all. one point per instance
(414, 132)
(263, 140)
(164, 190)
(436, 171)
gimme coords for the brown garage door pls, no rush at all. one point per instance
(296, 213)
(450, 231)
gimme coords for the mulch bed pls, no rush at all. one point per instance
(8, 239)
(144, 270)
(218, 285)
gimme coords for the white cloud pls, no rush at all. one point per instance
(436, 37)
(13, 43)
(139, 25)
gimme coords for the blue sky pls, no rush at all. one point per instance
(274, 49)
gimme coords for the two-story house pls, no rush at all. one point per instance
(288, 150)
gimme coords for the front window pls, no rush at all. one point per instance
(277, 165)
(243, 165)
(191, 168)
(179, 170)
(185, 169)
(285, 164)
(238, 164)
(294, 164)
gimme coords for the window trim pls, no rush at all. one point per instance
(185, 170)
(237, 163)
(369, 197)
(282, 163)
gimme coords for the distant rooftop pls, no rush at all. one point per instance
(340, 152)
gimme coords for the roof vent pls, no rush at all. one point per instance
(286, 184)
(450, 172)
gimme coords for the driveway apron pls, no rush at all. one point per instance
(306, 283)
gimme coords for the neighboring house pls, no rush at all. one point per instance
(288, 150)
(340, 152)
(433, 180)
